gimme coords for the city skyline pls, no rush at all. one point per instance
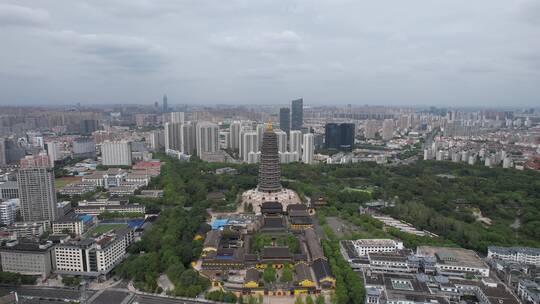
(391, 53)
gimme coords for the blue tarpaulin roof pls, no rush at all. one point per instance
(86, 217)
(218, 224)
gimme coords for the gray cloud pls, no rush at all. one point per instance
(126, 52)
(530, 12)
(210, 51)
(16, 15)
(285, 41)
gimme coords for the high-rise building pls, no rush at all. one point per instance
(388, 129)
(173, 136)
(177, 117)
(165, 108)
(234, 131)
(40, 160)
(332, 136)
(156, 140)
(253, 157)
(83, 147)
(260, 131)
(308, 148)
(297, 114)
(187, 136)
(347, 132)
(116, 153)
(250, 144)
(295, 144)
(54, 151)
(370, 129)
(37, 194)
(269, 168)
(207, 138)
(339, 136)
(224, 139)
(285, 120)
(3, 160)
(88, 126)
(282, 141)
(8, 211)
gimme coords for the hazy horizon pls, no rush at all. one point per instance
(387, 53)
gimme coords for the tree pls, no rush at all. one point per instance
(269, 274)
(71, 281)
(298, 300)
(309, 300)
(286, 274)
(252, 300)
(320, 299)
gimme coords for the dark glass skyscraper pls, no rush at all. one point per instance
(297, 114)
(339, 136)
(165, 105)
(285, 119)
(87, 126)
(332, 136)
(269, 168)
(347, 136)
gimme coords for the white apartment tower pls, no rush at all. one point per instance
(282, 141)
(156, 140)
(295, 141)
(308, 149)
(116, 153)
(177, 117)
(207, 138)
(172, 136)
(187, 138)
(260, 131)
(388, 129)
(54, 152)
(370, 129)
(234, 131)
(249, 144)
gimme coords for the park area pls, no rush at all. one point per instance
(59, 183)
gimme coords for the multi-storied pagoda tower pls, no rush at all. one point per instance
(269, 169)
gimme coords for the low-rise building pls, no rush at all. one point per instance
(454, 261)
(78, 188)
(28, 229)
(529, 291)
(525, 255)
(398, 288)
(93, 257)
(71, 224)
(110, 178)
(365, 246)
(27, 257)
(101, 206)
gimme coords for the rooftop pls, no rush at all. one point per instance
(452, 256)
(514, 250)
(374, 242)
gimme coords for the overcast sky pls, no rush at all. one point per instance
(455, 52)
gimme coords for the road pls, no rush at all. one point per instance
(51, 293)
(144, 299)
(45, 295)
